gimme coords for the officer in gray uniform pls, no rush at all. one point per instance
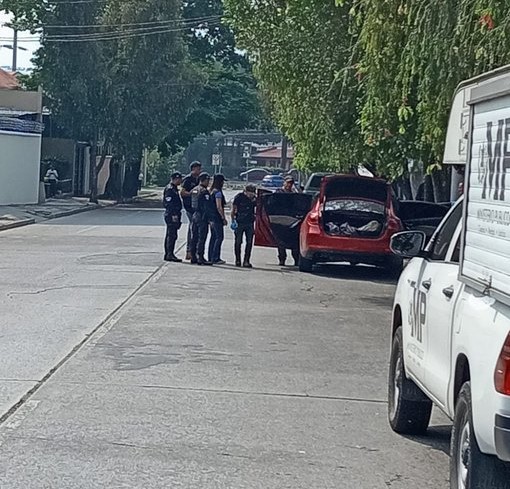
(202, 215)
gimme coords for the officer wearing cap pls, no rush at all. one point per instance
(173, 211)
(202, 215)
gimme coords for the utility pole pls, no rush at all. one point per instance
(285, 144)
(15, 50)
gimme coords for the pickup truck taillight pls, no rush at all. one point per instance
(502, 373)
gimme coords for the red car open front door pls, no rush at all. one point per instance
(279, 218)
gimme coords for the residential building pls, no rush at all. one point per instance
(20, 140)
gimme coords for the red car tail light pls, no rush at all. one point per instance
(502, 373)
(394, 225)
(313, 217)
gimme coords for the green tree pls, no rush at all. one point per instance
(305, 60)
(229, 99)
(72, 74)
(367, 80)
(151, 83)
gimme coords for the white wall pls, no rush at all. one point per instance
(20, 156)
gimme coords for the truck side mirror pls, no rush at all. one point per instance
(408, 244)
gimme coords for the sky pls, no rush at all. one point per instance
(24, 57)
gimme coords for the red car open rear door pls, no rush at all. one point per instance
(279, 217)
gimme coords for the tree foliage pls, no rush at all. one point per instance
(134, 91)
(229, 99)
(368, 80)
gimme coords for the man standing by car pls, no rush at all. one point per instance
(288, 188)
(173, 212)
(243, 218)
(188, 184)
(202, 214)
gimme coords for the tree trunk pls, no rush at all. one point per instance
(93, 171)
(441, 184)
(113, 184)
(403, 188)
(428, 189)
(130, 187)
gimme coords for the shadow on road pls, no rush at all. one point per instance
(358, 272)
(437, 438)
(113, 216)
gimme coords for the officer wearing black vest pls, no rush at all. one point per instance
(173, 212)
(202, 210)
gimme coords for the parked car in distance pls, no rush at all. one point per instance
(313, 184)
(272, 181)
(353, 220)
(254, 175)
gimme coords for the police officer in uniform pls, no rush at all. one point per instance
(202, 214)
(173, 210)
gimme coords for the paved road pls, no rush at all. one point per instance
(183, 376)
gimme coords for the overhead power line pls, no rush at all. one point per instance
(154, 22)
(106, 36)
(161, 23)
(116, 34)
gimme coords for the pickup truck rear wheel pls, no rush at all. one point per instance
(469, 467)
(409, 409)
(305, 265)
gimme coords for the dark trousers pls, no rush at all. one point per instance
(170, 238)
(53, 188)
(190, 229)
(199, 232)
(282, 255)
(248, 231)
(217, 237)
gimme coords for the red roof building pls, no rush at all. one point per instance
(8, 80)
(272, 156)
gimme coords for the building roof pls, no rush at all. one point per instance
(274, 153)
(8, 112)
(8, 80)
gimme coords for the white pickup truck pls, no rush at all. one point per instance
(451, 317)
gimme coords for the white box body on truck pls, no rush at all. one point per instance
(451, 317)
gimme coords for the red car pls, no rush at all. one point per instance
(351, 220)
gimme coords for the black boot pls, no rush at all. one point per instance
(173, 258)
(246, 262)
(202, 261)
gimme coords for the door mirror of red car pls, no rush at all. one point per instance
(408, 244)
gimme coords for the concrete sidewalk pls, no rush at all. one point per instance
(13, 216)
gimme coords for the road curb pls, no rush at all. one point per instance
(27, 222)
(73, 211)
(16, 224)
